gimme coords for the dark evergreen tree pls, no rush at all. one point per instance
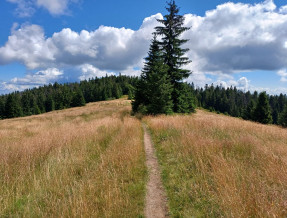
(275, 116)
(160, 97)
(49, 104)
(262, 112)
(281, 102)
(34, 106)
(131, 92)
(117, 91)
(40, 100)
(248, 113)
(104, 94)
(25, 101)
(153, 91)
(185, 99)
(172, 52)
(2, 108)
(12, 106)
(78, 99)
(283, 117)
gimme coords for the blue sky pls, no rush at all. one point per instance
(239, 43)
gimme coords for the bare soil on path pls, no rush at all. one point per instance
(156, 201)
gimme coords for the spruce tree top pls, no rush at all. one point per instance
(262, 113)
(154, 56)
(171, 43)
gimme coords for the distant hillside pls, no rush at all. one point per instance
(238, 103)
(230, 101)
(60, 96)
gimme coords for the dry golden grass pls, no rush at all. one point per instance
(80, 162)
(218, 166)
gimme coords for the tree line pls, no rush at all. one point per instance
(61, 96)
(258, 107)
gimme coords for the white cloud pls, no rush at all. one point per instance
(283, 75)
(31, 80)
(39, 78)
(89, 71)
(199, 79)
(246, 85)
(238, 37)
(270, 91)
(107, 48)
(242, 84)
(231, 38)
(53, 6)
(283, 9)
(27, 45)
(26, 8)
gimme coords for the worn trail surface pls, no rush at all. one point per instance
(155, 202)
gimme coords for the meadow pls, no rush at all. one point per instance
(80, 162)
(90, 162)
(217, 166)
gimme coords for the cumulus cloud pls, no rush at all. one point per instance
(53, 6)
(89, 71)
(239, 37)
(106, 48)
(233, 37)
(31, 80)
(270, 91)
(283, 75)
(26, 8)
(243, 83)
(39, 78)
(283, 9)
(27, 45)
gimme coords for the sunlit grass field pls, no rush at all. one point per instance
(80, 162)
(218, 166)
(90, 162)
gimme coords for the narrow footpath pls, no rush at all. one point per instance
(155, 202)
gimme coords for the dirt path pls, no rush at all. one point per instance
(155, 202)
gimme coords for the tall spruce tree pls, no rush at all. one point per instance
(173, 54)
(78, 99)
(248, 113)
(153, 91)
(12, 106)
(283, 117)
(262, 112)
(2, 108)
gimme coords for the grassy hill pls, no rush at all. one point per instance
(90, 162)
(86, 161)
(218, 166)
